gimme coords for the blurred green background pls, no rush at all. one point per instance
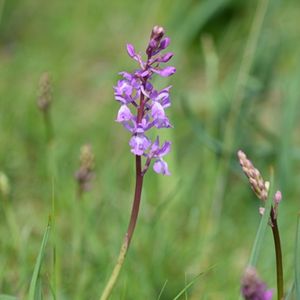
(236, 87)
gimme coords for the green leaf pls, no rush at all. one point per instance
(259, 239)
(35, 285)
(297, 260)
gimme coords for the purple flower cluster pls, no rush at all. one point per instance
(136, 93)
(253, 288)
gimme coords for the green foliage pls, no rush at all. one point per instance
(35, 292)
(236, 87)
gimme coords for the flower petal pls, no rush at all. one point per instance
(124, 114)
(165, 58)
(157, 111)
(139, 144)
(130, 50)
(161, 167)
(164, 43)
(166, 72)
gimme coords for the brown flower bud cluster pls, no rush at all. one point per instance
(86, 170)
(45, 93)
(258, 185)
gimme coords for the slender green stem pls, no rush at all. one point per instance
(128, 236)
(54, 241)
(48, 126)
(279, 269)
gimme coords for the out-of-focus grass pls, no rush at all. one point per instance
(189, 222)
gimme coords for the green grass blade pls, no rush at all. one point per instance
(262, 227)
(34, 290)
(290, 293)
(183, 291)
(7, 297)
(162, 289)
(297, 260)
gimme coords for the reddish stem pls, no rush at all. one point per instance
(137, 198)
(278, 253)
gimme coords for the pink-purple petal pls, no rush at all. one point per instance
(124, 114)
(164, 43)
(161, 167)
(166, 57)
(157, 111)
(130, 50)
(165, 72)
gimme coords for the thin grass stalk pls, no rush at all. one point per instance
(297, 259)
(54, 244)
(48, 127)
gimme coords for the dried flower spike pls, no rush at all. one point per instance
(86, 169)
(253, 288)
(142, 106)
(45, 92)
(258, 185)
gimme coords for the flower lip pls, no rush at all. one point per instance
(161, 167)
(139, 143)
(124, 114)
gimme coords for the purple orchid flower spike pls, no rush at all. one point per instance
(136, 93)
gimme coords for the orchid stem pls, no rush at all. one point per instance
(131, 227)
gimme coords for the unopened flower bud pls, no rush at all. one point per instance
(277, 197)
(276, 200)
(155, 38)
(262, 211)
(157, 33)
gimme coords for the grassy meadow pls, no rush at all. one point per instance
(237, 86)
